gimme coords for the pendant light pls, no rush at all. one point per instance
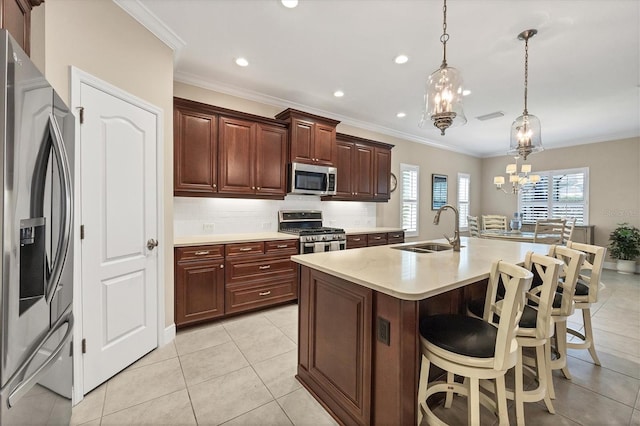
(525, 130)
(443, 97)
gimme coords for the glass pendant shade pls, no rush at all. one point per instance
(443, 99)
(525, 136)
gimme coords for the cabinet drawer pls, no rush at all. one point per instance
(282, 247)
(356, 241)
(199, 253)
(240, 249)
(241, 271)
(395, 237)
(376, 239)
(249, 296)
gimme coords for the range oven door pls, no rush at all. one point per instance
(322, 246)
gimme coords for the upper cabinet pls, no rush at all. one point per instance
(364, 169)
(225, 153)
(15, 17)
(313, 138)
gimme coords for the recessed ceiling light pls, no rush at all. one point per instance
(401, 59)
(401, 115)
(242, 62)
(338, 93)
(466, 92)
(289, 3)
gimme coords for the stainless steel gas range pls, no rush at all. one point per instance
(314, 237)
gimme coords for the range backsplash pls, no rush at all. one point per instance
(199, 216)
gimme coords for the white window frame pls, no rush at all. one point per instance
(410, 168)
(464, 224)
(550, 203)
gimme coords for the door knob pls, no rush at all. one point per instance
(151, 244)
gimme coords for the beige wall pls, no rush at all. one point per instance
(614, 181)
(99, 38)
(431, 160)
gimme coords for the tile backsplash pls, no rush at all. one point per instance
(199, 216)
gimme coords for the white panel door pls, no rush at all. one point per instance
(119, 215)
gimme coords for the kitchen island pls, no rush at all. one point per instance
(359, 311)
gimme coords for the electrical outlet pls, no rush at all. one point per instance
(209, 227)
(383, 331)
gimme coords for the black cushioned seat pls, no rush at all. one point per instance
(529, 317)
(557, 300)
(460, 334)
(582, 288)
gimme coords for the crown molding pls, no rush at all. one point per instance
(150, 21)
(251, 95)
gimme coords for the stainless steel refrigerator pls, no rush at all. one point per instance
(36, 217)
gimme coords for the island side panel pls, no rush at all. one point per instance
(335, 345)
(396, 366)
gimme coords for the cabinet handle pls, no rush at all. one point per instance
(253, 187)
(245, 249)
(215, 186)
(201, 253)
(258, 188)
(265, 267)
(264, 293)
(221, 266)
(356, 239)
(377, 238)
(395, 236)
(281, 246)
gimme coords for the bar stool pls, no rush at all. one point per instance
(474, 348)
(535, 331)
(586, 294)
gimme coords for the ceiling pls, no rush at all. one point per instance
(584, 63)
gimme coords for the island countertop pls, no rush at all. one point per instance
(408, 275)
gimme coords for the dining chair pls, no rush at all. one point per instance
(567, 234)
(474, 230)
(474, 348)
(586, 294)
(549, 231)
(494, 221)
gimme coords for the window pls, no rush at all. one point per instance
(560, 193)
(409, 177)
(464, 180)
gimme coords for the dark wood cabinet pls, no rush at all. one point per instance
(395, 237)
(364, 169)
(379, 239)
(337, 314)
(195, 149)
(15, 17)
(224, 153)
(199, 284)
(356, 241)
(374, 239)
(312, 138)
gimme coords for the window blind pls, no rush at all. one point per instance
(464, 181)
(409, 207)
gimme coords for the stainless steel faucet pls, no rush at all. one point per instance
(455, 241)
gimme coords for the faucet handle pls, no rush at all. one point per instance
(451, 240)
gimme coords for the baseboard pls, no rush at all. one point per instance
(612, 266)
(169, 335)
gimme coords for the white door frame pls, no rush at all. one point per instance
(79, 77)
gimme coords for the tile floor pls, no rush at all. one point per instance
(241, 371)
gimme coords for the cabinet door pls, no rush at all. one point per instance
(195, 152)
(324, 145)
(15, 17)
(345, 161)
(270, 162)
(302, 141)
(199, 288)
(237, 151)
(363, 179)
(382, 173)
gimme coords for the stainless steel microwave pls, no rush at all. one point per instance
(313, 180)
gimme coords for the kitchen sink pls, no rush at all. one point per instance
(425, 247)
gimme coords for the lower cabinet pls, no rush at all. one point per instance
(217, 280)
(199, 284)
(374, 239)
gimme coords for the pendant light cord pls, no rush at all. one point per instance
(526, 72)
(444, 37)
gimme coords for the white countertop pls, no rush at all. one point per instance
(414, 276)
(352, 231)
(231, 238)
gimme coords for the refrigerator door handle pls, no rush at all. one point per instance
(17, 391)
(66, 208)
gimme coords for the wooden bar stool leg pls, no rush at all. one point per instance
(543, 376)
(449, 398)
(561, 346)
(547, 355)
(519, 389)
(473, 403)
(422, 386)
(588, 333)
(501, 394)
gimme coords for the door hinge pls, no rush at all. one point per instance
(82, 232)
(84, 346)
(81, 109)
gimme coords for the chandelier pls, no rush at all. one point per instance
(443, 96)
(516, 179)
(525, 130)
